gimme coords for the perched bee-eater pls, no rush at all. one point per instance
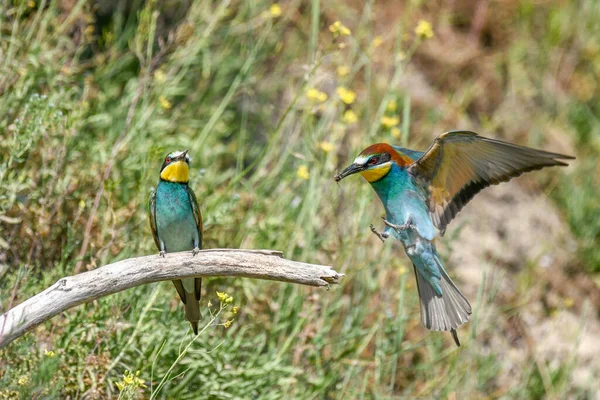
(176, 225)
(423, 192)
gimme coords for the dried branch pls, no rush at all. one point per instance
(81, 288)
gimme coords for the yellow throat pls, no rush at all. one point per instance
(376, 173)
(176, 172)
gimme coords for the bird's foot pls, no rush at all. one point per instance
(405, 226)
(162, 253)
(195, 251)
(381, 235)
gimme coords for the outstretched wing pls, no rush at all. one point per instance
(152, 217)
(196, 211)
(459, 164)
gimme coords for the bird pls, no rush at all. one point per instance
(422, 192)
(176, 224)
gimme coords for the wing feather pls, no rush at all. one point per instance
(152, 217)
(196, 211)
(459, 164)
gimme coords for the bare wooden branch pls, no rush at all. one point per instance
(77, 289)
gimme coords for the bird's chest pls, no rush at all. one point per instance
(404, 203)
(175, 223)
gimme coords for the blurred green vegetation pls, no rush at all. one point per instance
(93, 96)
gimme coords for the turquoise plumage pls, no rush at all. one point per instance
(422, 192)
(176, 224)
(176, 221)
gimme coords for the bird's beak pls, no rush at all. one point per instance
(352, 169)
(182, 156)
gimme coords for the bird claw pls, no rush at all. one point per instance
(405, 226)
(162, 253)
(381, 235)
(195, 251)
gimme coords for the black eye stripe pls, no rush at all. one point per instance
(379, 159)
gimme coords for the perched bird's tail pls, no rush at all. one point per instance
(189, 292)
(446, 312)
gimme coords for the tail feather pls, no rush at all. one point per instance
(192, 314)
(446, 312)
(189, 290)
(455, 337)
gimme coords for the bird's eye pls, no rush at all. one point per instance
(373, 160)
(168, 160)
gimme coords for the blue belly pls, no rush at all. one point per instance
(402, 199)
(175, 223)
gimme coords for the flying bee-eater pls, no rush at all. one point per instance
(176, 225)
(422, 192)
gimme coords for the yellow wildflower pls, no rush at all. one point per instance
(222, 296)
(23, 380)
(350, 117)
(164, 103)
(31, 4)
(424, 29)
(338, 29)
(302, 172)
(326, 146)
(335, 27)
(227, 324)
(209, 304)
(235, 310)
(315, 95)
(569, 302)
(396, 132)
(377, 41)
(347, 95)
(131, 381)
(49, 354)
(389, 122)
(275, 10)
(391, 106)
(159, 76)
(342, 70)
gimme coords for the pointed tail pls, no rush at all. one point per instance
(189, 290)
(446, 312)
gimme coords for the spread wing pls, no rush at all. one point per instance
(459, 164)
(152, 217)
(196, 211)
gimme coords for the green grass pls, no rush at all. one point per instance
(86, 95)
